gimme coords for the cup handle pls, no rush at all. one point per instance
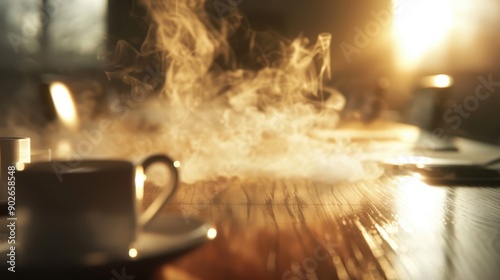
(165, 196)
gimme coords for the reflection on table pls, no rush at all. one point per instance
(394, 227)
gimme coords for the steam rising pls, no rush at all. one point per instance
(218, 112)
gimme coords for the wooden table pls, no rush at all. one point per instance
(396, 227)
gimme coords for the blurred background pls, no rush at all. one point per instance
(429, 63)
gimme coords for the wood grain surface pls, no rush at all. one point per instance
(395, 227)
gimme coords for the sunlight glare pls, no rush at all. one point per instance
(420, 26)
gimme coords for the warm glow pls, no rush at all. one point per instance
(132, 252)
(442, 81)
(437, 81)
(418, 176)
(140, 177)
(421, 218)
(420, 204)
(400, 160)
(20, 166)
(63, 148)
(419, 27)
(222, 117)
(212, 233)
(64, 105)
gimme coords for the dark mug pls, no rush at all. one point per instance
(78, 212)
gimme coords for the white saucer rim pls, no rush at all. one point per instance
(193, 238)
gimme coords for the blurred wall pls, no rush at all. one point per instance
(362, 53)
(55, 35)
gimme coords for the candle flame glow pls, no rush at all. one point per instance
(64, 104)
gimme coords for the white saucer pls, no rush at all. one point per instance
(167, 235)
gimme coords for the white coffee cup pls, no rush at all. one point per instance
(72, 212)
(13, 151)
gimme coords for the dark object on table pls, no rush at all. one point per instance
(458, 174)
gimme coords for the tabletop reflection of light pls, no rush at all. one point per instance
(417, 176)
(132, 252)
(409, 135)
(411, 159)
(420, 209)
(212, 233)
(420, 205)
(177, 164)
